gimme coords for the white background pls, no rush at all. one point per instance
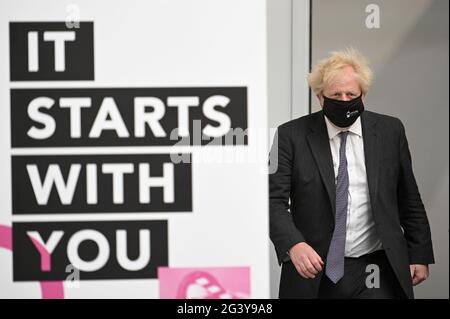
(167, 43)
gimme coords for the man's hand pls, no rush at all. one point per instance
(305, 259)
(419, 273)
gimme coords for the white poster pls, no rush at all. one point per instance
(133, 149)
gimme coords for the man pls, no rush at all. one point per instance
(346, 217)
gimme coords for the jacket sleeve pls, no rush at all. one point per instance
(412, 213)
(283, 232)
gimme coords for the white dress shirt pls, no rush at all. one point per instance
(361, 236)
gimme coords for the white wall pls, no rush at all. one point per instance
(288, 62)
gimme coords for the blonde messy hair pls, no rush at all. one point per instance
(324, 71)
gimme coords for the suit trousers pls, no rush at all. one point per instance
(367, 277)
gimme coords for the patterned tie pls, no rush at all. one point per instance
(335, 258)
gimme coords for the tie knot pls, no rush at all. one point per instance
(343, 135)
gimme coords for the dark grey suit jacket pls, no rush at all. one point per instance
(302, 197)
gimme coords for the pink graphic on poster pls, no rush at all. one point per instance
(204, 283)
(49, 289)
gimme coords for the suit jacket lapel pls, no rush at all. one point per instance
(320, 147)
(371, 153)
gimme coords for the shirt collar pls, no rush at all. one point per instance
(334, 130)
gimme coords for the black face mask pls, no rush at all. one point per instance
(342, 113)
